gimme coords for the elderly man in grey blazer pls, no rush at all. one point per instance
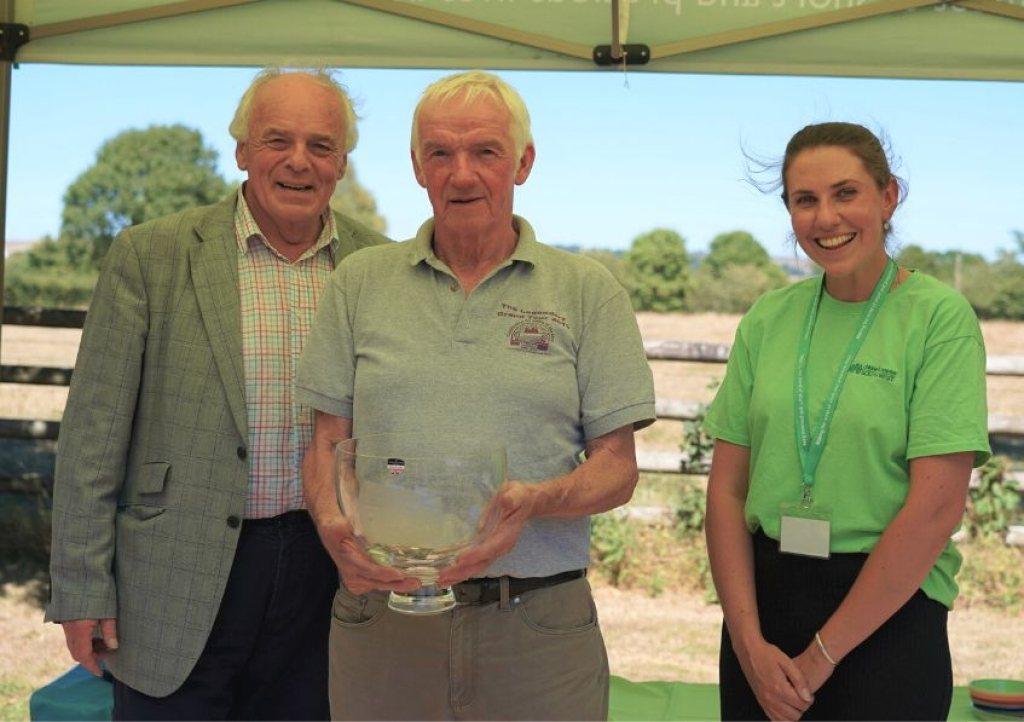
(182, 553)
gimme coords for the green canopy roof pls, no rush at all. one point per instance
(961, 39)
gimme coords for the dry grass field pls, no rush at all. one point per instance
(673, 635)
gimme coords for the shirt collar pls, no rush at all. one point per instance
(247, 231)
(421, 247)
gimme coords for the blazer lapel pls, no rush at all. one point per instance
(214, 266)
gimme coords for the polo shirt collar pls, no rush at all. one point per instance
(527, 247)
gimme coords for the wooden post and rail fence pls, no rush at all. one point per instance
(27, 446)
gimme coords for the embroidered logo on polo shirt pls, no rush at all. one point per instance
(533, 336)
(532, 331)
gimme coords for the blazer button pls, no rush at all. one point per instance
(234, 521)
(242, 453)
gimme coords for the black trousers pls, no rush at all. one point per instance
(901, 672)
(266, 658)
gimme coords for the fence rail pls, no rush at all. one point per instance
(30, 431)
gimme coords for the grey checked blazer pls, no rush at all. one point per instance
(152, 474)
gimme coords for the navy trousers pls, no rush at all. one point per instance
(266, 658)
(901, 672)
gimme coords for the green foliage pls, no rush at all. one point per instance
(138, 175)
(32, 283)
(735, 289)
(611, 537)
(737, 248)
(995, 502)
(614, 262)
(950, 267)
(992, 574)
(736, 271)
(659, 271)
(691, 509)
(47, 274)
(356, 202)
(995, 290)
(697, 445)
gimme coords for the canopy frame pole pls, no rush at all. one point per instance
(6, 16)
(477, 27)
(993, 7)
(619, 53)
(125, 17)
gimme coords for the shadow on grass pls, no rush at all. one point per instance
(25, 549)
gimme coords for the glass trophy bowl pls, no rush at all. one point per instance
(415, 502)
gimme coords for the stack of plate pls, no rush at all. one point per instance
(1001, 698)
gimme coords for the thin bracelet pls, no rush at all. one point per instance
(821, 646)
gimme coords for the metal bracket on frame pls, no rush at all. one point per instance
(12, 37)
(630, 54)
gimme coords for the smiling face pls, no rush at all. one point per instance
(838, 212)
(294, 157)
(466, 160)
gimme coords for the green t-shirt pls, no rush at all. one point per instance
(916, 388)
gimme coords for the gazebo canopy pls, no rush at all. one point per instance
(958, 39)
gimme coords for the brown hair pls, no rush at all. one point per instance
(855, 138)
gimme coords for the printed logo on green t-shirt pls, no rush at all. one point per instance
(876, 372)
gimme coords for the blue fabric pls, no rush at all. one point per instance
(76, 695)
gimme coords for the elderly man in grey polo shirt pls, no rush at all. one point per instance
(430, 333)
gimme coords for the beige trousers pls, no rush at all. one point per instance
(539, 656)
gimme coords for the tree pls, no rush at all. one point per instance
(356, 202)
(737, 248)
(735, 289)
(138, 175)
(950, 267)
(51, 272)
(659, 271)
(734, 273)
(611, 260)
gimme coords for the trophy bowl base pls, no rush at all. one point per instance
(424, 601)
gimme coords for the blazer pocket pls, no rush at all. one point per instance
(151, 478)
(142, 512)
(140, 498)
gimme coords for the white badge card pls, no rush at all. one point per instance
(805, 531)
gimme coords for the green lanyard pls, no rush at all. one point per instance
(811, 447)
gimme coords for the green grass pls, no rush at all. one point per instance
(14, 696)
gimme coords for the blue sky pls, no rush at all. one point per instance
(616, 155)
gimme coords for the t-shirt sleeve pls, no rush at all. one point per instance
(948, 408)
(726, 418)
(326, 368)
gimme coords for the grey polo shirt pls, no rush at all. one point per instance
(542, 355)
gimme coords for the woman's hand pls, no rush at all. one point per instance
(778, 683)
(814, 667)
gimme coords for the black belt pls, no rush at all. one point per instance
(488, 589)
(290, 519)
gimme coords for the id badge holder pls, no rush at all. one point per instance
(805, 529)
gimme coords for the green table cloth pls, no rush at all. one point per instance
(650, 701)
